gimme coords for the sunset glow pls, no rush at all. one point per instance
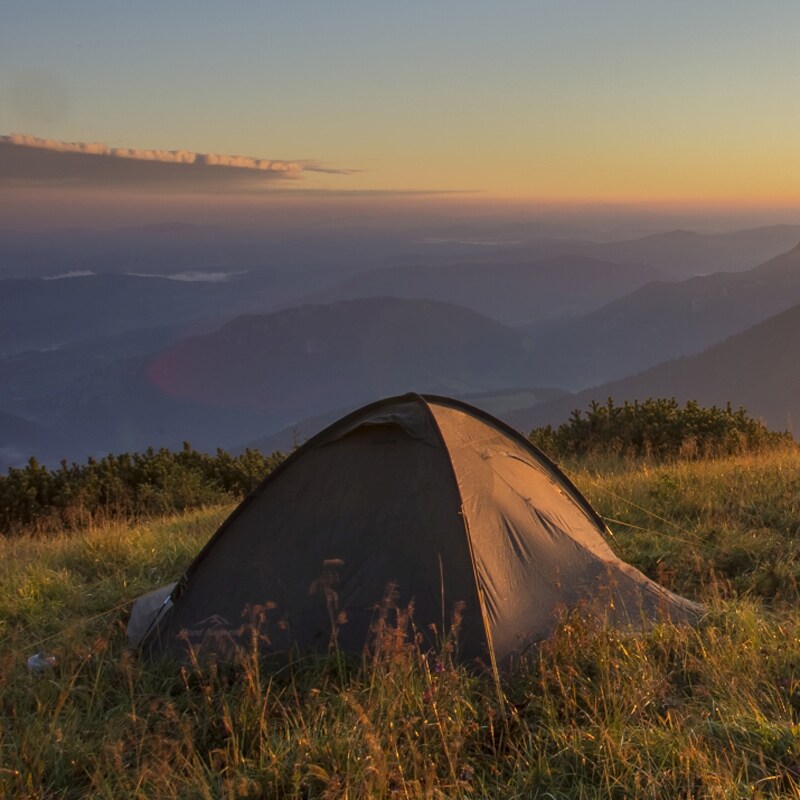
(621, 102)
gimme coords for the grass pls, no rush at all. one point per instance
(711, 711)
(733, 520)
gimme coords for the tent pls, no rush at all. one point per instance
(416, 502)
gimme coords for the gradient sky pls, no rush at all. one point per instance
(547, 100)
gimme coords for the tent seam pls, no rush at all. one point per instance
(467, 533)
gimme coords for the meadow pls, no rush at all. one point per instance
(705, 711)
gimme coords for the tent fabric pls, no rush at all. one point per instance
(413, 501)
(146, 611)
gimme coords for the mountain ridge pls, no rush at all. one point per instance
(661, 320)
(755, 368)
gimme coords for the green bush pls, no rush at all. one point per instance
(657, 428)
(127, 485)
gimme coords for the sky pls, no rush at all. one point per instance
(546, 101)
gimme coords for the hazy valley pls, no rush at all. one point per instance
(158, 335)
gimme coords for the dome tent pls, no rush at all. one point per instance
(430, 496)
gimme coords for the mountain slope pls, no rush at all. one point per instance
(512, 292)
(665, 320)
(677, 254)
(47, 313)
(116, 409)
(311, 358)
(757, 369)
(28, 376)
(683, 254)
(260, 373)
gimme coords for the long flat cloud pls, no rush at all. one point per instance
(27, 160)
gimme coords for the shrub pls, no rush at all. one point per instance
(127, 485)
(657, 428)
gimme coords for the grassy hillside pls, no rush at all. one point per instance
(706, 712)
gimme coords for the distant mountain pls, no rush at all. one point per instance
(662, 321)
(160, 249)
(511, 292)
(357, 245)
(260, 373)
(117, 409)
(678, 254)
(312, 358)
(28, 376)
(758, 369)
(40, 314)
(75, 352)
(333, 244)
(264, 270)
(683, 254)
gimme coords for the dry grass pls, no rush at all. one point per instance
(711, 711)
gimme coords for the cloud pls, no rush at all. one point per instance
(26, 159)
